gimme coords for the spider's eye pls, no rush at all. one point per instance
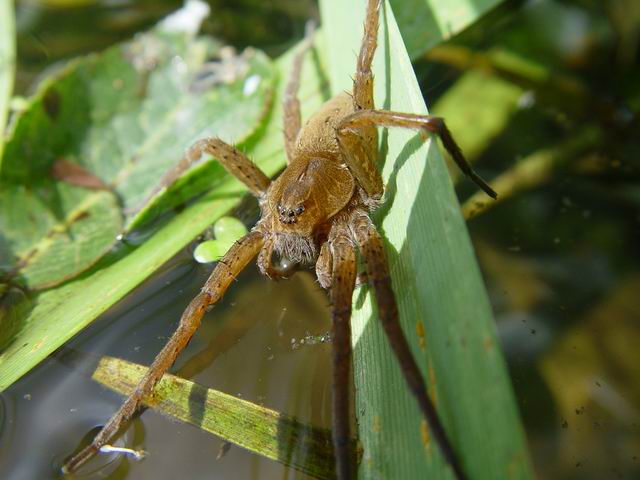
(288, 214)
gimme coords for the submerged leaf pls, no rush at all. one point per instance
(533, 170)
(14, 307)
(52, 232)
(261, 430)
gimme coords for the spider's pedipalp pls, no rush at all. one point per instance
(265, 261)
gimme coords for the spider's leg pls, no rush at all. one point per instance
(371, 249)
(364, 119)
(234, 261)
(363, 81)
(233, 160)
(360, 149)
(343, 278)
(291, 104)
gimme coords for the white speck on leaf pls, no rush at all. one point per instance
(251, 85)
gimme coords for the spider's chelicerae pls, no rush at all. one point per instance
(315, 212)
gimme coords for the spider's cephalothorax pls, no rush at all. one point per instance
(303, 203)
(315, 212)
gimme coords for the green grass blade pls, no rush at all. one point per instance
(7, 63)
(442, 301)
(260, 430)
(425, 23)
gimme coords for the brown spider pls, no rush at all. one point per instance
(315, 212)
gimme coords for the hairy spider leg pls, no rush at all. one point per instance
(291, 105)
(372, 250)
(365, 119)
(360, 149)
(342, 285)
(227, 269)
(233, 160)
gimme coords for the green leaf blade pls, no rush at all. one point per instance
(261, 430)
(426, 23)
(443, 306)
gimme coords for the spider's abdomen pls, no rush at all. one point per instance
(317, 135)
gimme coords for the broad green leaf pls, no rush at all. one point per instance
(57, 314)
(96, 139)
(442, 301)
(266, 432)
(7, 63)
(425, 23)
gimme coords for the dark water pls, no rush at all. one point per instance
(252, 345)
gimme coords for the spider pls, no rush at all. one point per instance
(316, 212)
